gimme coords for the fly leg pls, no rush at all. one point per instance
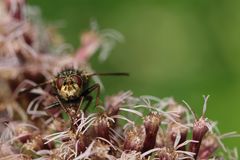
(89, 101)
(90, 90)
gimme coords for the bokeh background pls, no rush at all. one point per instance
(183, 49)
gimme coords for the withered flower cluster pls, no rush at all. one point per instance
(122, 127)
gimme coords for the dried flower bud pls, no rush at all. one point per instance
(208, 146)
(102, 127)
(101, 150)
(134, 139)
(35, 144)
(113, 103)
(112, 108)
(199, 130)
(161, 140)
(172, 131)
(76, 142)
(178, 110)
(151, 124)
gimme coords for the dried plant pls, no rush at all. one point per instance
(43, 123)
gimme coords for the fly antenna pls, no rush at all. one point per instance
(24, 90)
(108, 74)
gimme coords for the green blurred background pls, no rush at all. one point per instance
(179, 48)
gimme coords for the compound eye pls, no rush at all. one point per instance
(59, 82)
(77, 80)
